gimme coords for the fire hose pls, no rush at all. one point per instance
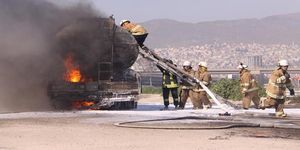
(232, 124)
(228, 123)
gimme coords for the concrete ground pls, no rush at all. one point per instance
(92, 129)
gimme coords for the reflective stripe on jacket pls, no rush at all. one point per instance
(278, 84)
(169, 80)
(247, 81)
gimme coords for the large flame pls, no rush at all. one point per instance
(72, 73)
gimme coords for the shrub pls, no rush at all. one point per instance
(227, 88)
(230, 89)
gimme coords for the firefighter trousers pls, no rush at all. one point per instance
(204, 99)
(196, 100)
(251, 96)
(140, 39)
(184, 95)
(166, 93)
(278, 104)
(199, 99)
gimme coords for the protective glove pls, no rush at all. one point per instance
(292, 92)
(287, 76)
(244, 91)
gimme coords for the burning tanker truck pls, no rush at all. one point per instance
(97, 59)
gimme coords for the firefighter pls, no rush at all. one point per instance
(139, 32)
(186, 89)
(169, 84)
(248, 86)
(199, 95)
(278, 82)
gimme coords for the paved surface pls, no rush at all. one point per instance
(95, 130)
(150, 111)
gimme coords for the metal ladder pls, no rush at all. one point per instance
(156, 59)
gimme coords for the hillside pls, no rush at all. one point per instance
(268, 30)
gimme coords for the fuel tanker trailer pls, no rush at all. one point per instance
(97, 56)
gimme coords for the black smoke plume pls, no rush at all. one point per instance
(28, 55)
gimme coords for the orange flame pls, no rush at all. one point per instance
(72, 73)
(82, 104)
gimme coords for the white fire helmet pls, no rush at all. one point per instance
(124, 21)
(242, 66)
(203, 64)
(187, 64)
(283, 62)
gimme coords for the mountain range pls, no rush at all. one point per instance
(278, 29)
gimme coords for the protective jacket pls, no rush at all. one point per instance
(138, 30)
(247, 81)
(168, 79)
(186, 85)
(203, 76)
(278, 82)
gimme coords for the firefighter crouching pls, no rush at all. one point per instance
(249, 87)
(199, 96)
(186, 89)
(278, 82)
(169, 84)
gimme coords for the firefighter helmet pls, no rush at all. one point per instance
(203, 64)
(242, 66)
(283, 62)
(124, 21)
(187, 64)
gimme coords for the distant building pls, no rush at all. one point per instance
(255, 62)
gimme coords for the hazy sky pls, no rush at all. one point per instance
(195, 10)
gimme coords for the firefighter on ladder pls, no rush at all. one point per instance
(278, 82)
(138, 32)
(248, 86)
(199, 95)
(169, 84)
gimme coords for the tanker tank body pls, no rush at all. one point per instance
(103, 54)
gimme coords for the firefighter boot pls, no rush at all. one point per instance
(280, 114)
(262, 103)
